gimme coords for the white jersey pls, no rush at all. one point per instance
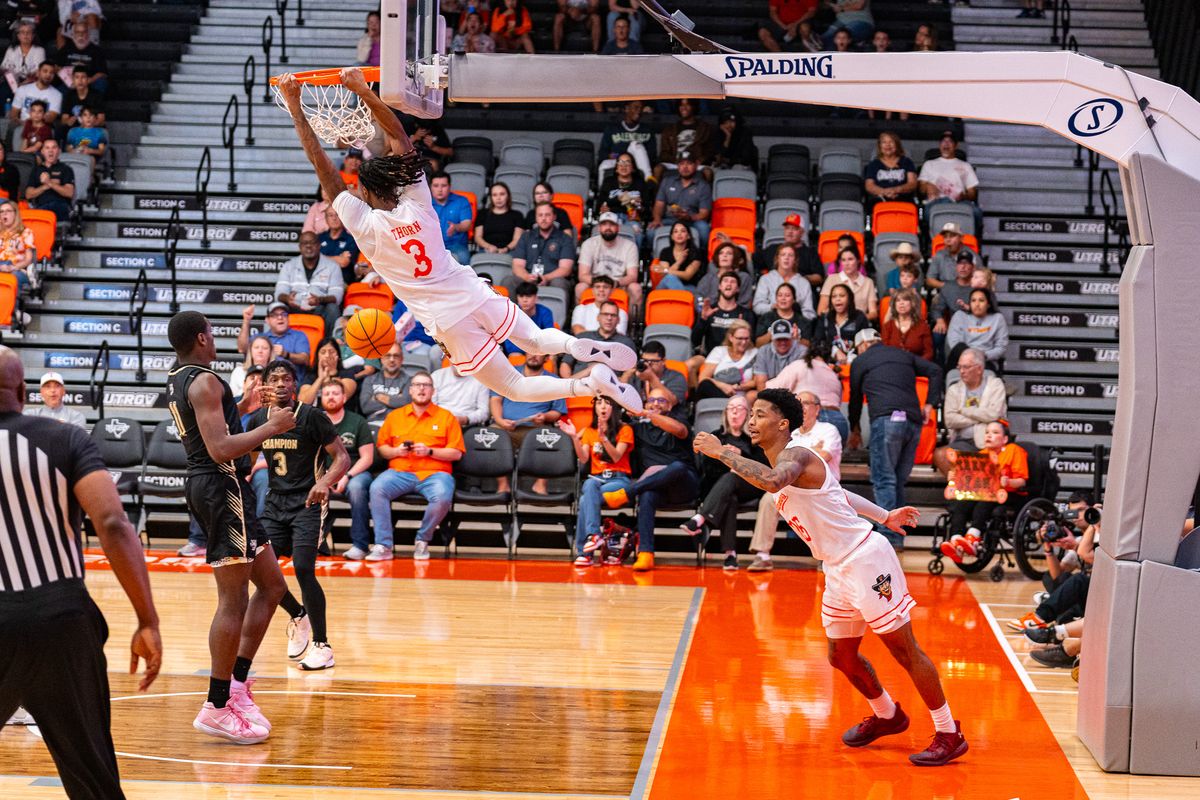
(822, 517)
(406, 248)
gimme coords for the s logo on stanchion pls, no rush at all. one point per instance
(1095, 117)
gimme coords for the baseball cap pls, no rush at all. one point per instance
(52, 377)
(271, 309)
(866, 335)
(949, 134)
(609, 216)
(951, 227)
(255, 369)
(966, 255)
(354, 152)
(794, 219)
(686, 155)
(781, 329)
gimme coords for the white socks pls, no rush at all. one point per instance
(883, 706)
(763, 555)
(943, 720)
(1060, 632)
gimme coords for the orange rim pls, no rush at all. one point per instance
(329, 77)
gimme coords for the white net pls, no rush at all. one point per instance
(336, 114)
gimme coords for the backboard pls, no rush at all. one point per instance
(412, 35)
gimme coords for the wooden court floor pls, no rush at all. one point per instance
(492, 679)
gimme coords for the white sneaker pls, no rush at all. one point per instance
(605, 381)
(319, 656)
(241, 698)
(379, 553)
(229, 723)
(354, 554)
(299, 636)
(421, 550)
(1040, 597)
(21, 717)
(189, 550)
(613, 354)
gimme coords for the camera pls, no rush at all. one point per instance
(1090, 515)
(1052, 532)
(641, 365)
(408, 444)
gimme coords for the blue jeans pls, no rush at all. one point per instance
(258, 482)
(838, 420)
(437, 489)
(590, 498)
(674, 484)
(461, 254)
(860, 31)
(672, 282)
(893, 449)
(357, 491)
(196, 534)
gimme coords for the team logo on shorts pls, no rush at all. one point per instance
(883, 585)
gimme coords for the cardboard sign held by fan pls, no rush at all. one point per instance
(976, 476)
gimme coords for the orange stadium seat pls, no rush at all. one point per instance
(8, 297)
(579, 411)
(739, 236)
(894, 217)
(312, 326)
(671, 307)
(367, 296)
(573, 205)
(843, 372)
(885, 302)
(678, 366)
(827, 248)
(44, 225)
(928, 441)
(970, 241)
(474, 201)
(619, 296)
(516, 359)
(734, 212)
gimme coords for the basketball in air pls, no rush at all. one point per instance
(370, 333)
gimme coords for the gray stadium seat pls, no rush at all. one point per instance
(519, 179)
(776, 211)
(523, 152)
(841, 215)
(554, 299)
(939, 214)
(885, 243)
(740, 183)
(708, 414)
(840, 159)
(470, 178)
(676, 339)
(570, 180)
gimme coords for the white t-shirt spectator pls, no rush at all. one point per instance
(951, 176)
(588, 316)
(613, 260)
(723, 361)
(27, 93)
(826, 437)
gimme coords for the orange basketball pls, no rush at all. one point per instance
(370, 333)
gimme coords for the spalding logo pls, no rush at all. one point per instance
(1095, 117)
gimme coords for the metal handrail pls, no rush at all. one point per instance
(141, 290)
(228, 139)
(248, 85)
(281, 8)
(170, 250)
(299, 13)
(102, 358)
(203, 168)
(1112, 222)
(1060, 30)
(268, 36)
(1093, 168)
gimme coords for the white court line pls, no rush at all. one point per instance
(263, 691)
(1008, 651)
(228, 763)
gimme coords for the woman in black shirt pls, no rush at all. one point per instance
(10, 176)
(680, 260)
(735, 142)
(833, 338)
(785, 308)
(544, 193)
(499, 227)
(891, 175)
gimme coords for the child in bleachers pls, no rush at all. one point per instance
(35, 130)
(88, 138)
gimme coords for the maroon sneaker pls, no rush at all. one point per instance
(944, 748)
(872, 727)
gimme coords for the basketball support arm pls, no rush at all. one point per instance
(1134, 713)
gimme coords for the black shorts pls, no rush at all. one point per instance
(224, 506)
(289, 524)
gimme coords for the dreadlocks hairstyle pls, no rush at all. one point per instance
(385, 176)
(787, 405)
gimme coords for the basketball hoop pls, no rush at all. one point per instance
(334, 112)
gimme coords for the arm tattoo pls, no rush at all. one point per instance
(761, 475)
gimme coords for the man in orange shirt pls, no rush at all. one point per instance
(420, 441)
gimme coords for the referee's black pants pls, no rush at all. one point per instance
(52, 663)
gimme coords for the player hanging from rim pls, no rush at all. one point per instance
(297, 502)
(219, 497)
(864, 583)
(396, 227)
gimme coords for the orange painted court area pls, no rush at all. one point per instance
(757, 712)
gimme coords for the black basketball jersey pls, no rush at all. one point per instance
(199, 462)
(296, 459)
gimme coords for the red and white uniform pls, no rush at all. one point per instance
(864, 583)
(405, 247)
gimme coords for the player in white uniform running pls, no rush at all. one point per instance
(393, 221)
(864, 583)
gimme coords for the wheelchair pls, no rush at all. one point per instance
(1010, 534)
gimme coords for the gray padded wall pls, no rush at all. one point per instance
(1166, 712)
(1153, 468)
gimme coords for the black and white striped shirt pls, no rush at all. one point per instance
(41, 460)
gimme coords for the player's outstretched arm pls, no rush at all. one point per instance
(790, 467)
(896, 520)
(328, 176)
(385, 117)
(205, 397)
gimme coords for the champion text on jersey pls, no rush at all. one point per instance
(401, 231)
(883, 585)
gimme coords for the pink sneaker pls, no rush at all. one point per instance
(228, 723)
(241, 698)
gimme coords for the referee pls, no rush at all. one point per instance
(51, 633)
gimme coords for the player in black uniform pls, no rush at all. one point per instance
(219, 497)
(297, 502)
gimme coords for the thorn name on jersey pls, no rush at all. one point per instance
(404, 231)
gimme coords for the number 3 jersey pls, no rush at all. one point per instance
(822, 517)
(296, 459)
(406, 248)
